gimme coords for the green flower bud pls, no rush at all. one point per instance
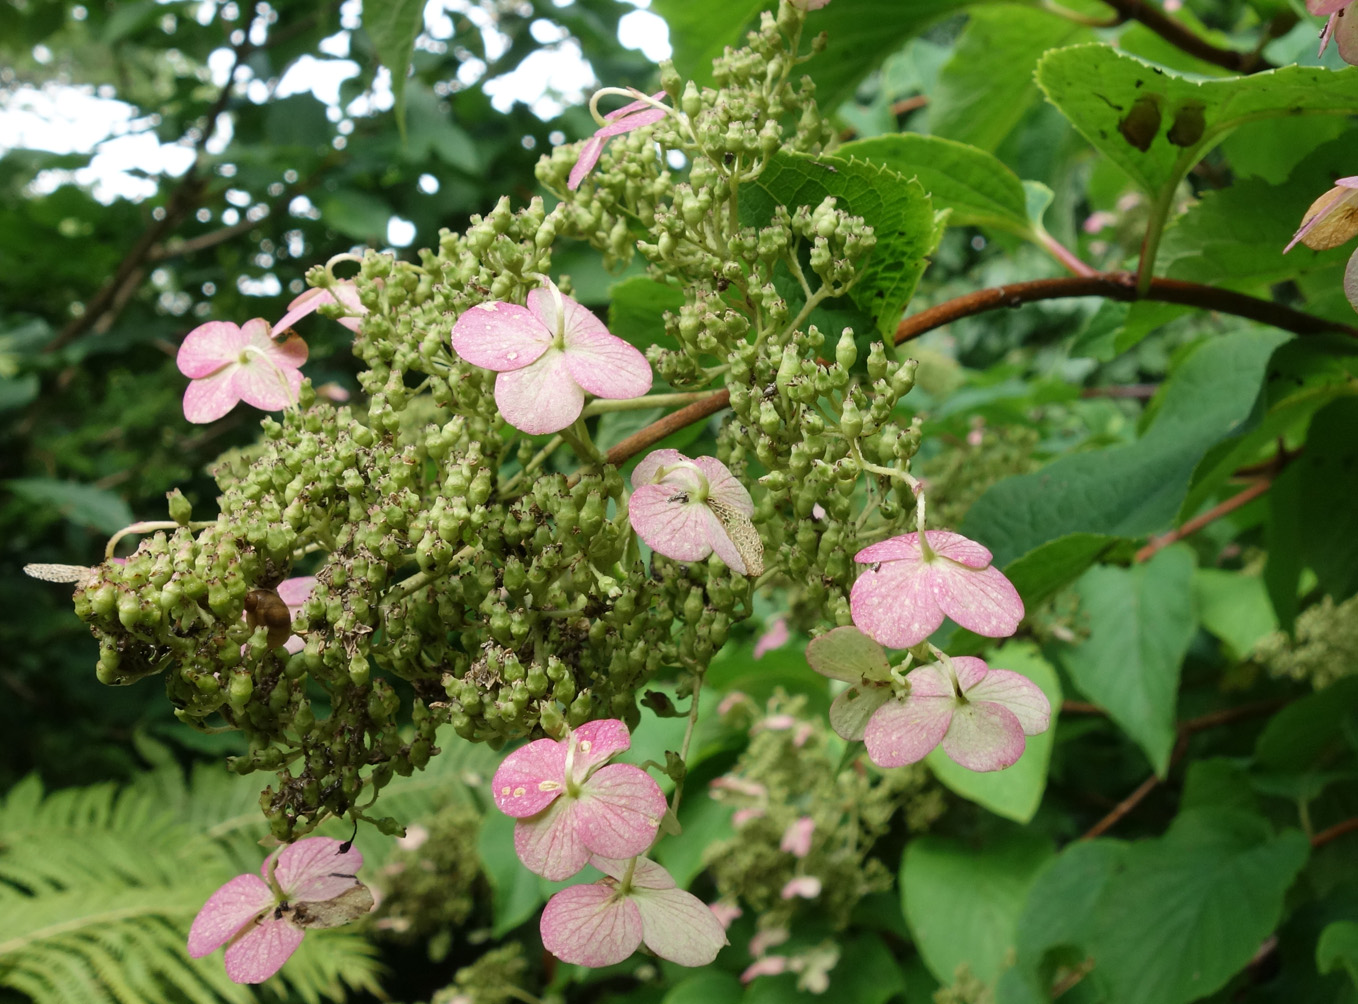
(181, 511)
(846, 351)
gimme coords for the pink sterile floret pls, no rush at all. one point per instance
(980, 715)
(904, 596)
(1341, 26)
(624, 120)
(797, 837)
(603, 923)
(687, 508)
(343, 292)
(227, 363)
(260, 926)
(570, 805)
(548, 355)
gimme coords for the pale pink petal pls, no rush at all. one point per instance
(769, 965)
(902, 548)
(742, 816)
(906, 547)
(530, 778)
(260, 952)
(591, 925)
(541, 398)
(851, 710)
(645, 471)
(589, 156)
(606, 366)
(646, 874)
(768, 938)
(266, 386)
(932, 679)
(1346, 37)
(984, 736)
(296, 591)
(726, 913)
(797, 837)
(1020, 695)
(580, 320)
(672, 525)
(847, 654)
(803, 886)
(678, 926)
(316, 869)
(290, 353)
(633, 116)
(725, 546)
(207, 399)
(500, 336)
(550, 844)
(1322, 8)
(304, 304)
(894, 604)
(209, 347)
(1326, 34)
(983, 601)
(227, 910)
(619, 811)
(595, 742)
(903, 732)
(1334, 201)
(723, 486)
(774, 638)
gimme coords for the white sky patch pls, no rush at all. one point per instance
(648, 32)
(400, 233)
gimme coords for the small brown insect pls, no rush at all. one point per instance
(264, 607)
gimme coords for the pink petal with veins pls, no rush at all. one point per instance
(209, 347)
(903, 732)
(723, 486)
(589, 157)
(619, 811)
(500, 336)
(596, 741)
(797, 837)
(588, 925)
(646, 468)
(541, 398)
(261, 951)
(550, 844)
(606, 366)
(671, 524)
(678, 926)
(227, 910)
(530, 778)
(207, 399)
(1018, 694)
(316, 869)
(984, 737)
(851, 711)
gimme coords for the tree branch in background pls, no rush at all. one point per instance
(1195, 524)
(671, 423)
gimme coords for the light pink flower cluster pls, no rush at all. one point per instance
(687, 508)
(548, 355)
(980, 715)
(227, 363)
(574, 808)
(261, 918)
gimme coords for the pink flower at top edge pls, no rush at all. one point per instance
(227, 363)
(1332, 219)
(776, 636)
(908, 590)
(602, 923)
(686, 509)
(293, 593)
(624, 120)
(1340, 26)
(261, 919)
(548, 355)
(343, 292)
(980, 715)
(570, 805)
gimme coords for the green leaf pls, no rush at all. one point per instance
(987, 87)
(1309, 733)
(977, 187)
(1234, 607)
(1131, 489)
(393, 26)
(1198, 901)
(84, 505)
(1156, 125)
(896, 208)
(1338, 949)
(706, 986)
(1016, 791)
(1328, 517)
(962, 903)
(357, 214)
(516, 893)
(636, 311)
(861, 34)
(1140, 623)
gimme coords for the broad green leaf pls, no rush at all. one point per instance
(1283, 571)
(393, 26)
(977, 188)
(962, 902)
(84, 505)
(1042, 572)
(1133, 489)
(1338, 949)
(1198, 902)
(357, 214)
(1156, 125)
(897, 209)
(1308, 733)
(1140, 622)
(861, 34)
(1218, 783)
(706, 986)
(636, 311)
(516, 893)
(987, 87)
(1234, 607)
(1016, 791)
(1328, 516)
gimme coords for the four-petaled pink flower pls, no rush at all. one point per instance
(604, 922)
(570, 805)
(344, 292)
(547, 355)
(261, 920)
(1342, 27)
(914, 583)
(980, 715)
(625, 119)
(686, 509)
(227, 363)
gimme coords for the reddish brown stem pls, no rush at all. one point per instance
(671, 423)
(1181, 37)
(1335, 832)
(1119, 286)
(1195, 524)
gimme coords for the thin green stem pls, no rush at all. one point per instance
(533, 464)
(603, 406)
(577, 438)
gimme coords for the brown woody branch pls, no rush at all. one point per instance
(1180, 36)
(1119, 286)
(663, 427)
